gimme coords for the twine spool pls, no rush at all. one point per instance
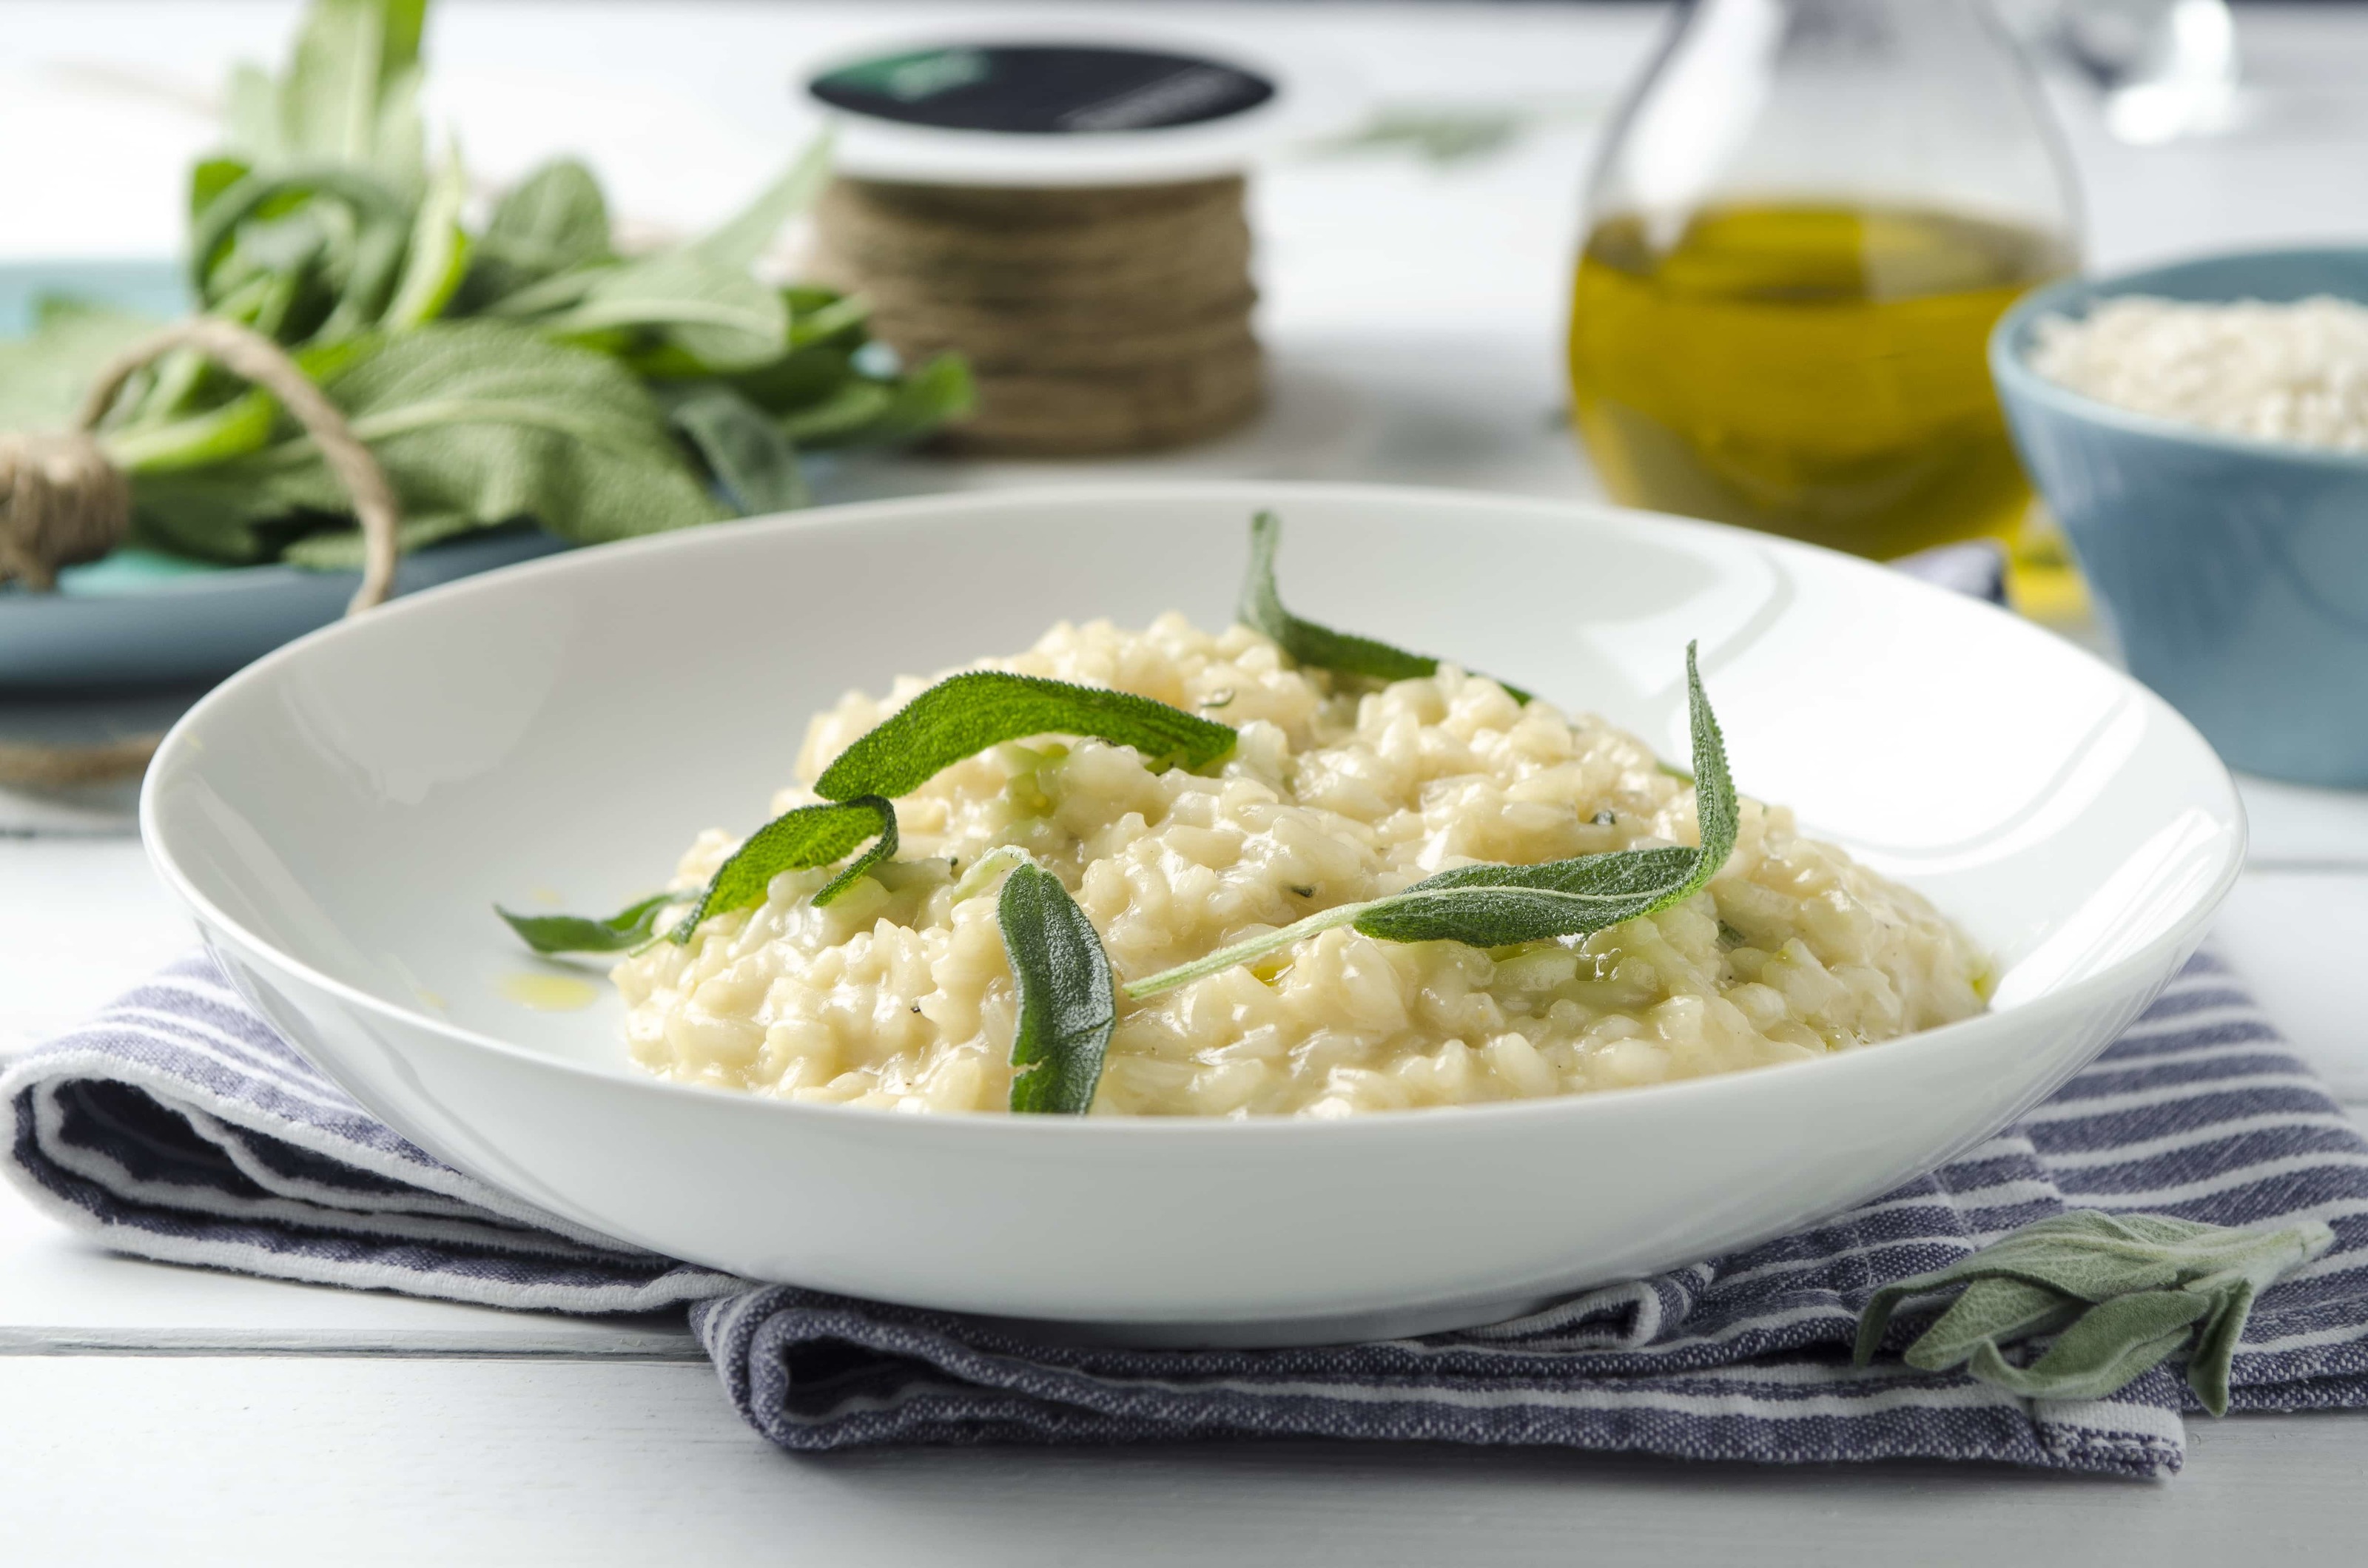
(63, 503)
(1097, 320)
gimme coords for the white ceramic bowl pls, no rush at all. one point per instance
(341, 816)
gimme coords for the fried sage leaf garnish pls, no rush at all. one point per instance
(964, 714)
(1066, 1006)
(629, 927)
(1319, 646)
(798, 840)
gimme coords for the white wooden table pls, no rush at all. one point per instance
(156, 1414)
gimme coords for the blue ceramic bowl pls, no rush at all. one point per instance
(2234, 571)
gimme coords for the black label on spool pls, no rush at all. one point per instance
(1043, 89)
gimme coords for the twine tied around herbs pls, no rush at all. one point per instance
(64, 502)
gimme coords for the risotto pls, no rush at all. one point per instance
(899, 993)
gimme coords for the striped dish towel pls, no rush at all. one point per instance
(178, 1126)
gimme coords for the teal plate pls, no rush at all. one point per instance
(141, 619)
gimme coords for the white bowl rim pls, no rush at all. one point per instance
(2010, 361)
(2117, 977)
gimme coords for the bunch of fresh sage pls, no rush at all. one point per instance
(519, 370)
(1067, 995)
(2118, 1293)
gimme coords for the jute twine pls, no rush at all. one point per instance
(63, 503)
(1097, 321)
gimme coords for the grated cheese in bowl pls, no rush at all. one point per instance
(2279, 372)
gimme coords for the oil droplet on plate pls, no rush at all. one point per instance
(550, 993)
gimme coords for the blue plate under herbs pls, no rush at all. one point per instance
(141, 617)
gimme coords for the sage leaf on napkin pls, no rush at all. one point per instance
(2119, 1293)
(964, 714)
(629, 927)
(1494, 906)
(1066, 1006)
(1319, 646)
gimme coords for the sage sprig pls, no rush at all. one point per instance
(797, 840)
(1494, 906)
(629, 927)
(1319, 646)
(2119, 1293)
(964, 714)
(523, 370)
(1066, 1006)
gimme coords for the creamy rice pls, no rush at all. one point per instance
(899, 993)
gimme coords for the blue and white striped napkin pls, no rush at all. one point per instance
(177, 1126)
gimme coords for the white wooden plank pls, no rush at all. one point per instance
(263, 1461)
(61, 1293)
(2295, 936)
(81, 920)
(2295, 827)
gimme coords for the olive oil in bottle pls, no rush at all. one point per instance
(1810, 368)
(1806, 218)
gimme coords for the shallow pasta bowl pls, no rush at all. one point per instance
(340, 817)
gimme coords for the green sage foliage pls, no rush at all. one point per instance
(523, 370)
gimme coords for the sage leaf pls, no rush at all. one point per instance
(629, 927)
(720, 316)
(209, 177)
(353, 60)
(841, 415)
(799, 378)
(1494, 906)
(438, 257)
(44, 376)
(357, 257)
(553, 221)
(1320, 647)
(795, 841)
(2104, 1348)
(251, 116)
(2119, 1292)
(700, 298)
(243, 425)
(1066, 1006)
(874, 413)
(746, 452)
(494, 422)
(964, 714)
(342, 549)
(736, 245)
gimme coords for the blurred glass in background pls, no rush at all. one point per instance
(2168, 68)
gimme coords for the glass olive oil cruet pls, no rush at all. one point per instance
(1801, 231)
